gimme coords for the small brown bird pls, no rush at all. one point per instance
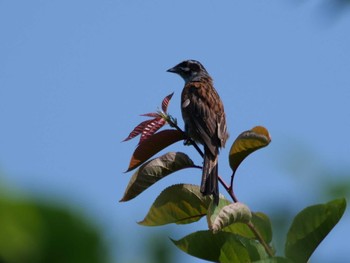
(204, 117)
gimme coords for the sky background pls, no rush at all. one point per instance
(75, 75)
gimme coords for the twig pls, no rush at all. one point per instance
(232, 176)
(261, 239)
(172, 123)
(228, 188)
(188, 140)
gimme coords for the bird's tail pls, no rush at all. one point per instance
(210, 177)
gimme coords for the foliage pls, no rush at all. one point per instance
(35, 232)
(234, 234)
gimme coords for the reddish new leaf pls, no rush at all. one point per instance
(152, 115)
(157, 142)
(166, 101)
(147, 128)
(151, 127)
(137, 130)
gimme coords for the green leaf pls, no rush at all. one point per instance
(221, 247)
(275, 260)
(154, 170)
(33, 232)
(221, 216)
(255, 249)
(180, 204)
(246, 143)
(157, 142)
(261, 222)
(213, 210)
(310, 227)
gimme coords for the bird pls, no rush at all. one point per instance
(205, 121)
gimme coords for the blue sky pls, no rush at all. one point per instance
(75, 75)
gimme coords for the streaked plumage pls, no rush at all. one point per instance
(204, 117)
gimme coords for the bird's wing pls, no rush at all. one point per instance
(203, 108)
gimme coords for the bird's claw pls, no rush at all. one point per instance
(187, 141)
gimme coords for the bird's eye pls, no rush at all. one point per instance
(194, 67)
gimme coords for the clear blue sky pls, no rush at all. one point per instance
(74, 75)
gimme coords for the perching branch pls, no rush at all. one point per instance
(260, 238)
(229, 188)
(173, 123)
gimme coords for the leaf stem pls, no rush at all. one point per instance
(232, 176)
(173, 123)
(261, 239)
(228, 188)
(188, 140)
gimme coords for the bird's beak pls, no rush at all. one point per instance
(172, 70)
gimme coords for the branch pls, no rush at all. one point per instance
(188, 140)
(232, 176)
(173, 123)
(229, 188)
(261, 239)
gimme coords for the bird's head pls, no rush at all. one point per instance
(190, 70)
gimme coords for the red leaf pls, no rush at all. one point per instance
(146, 149)
(137, 130)
(151, 128)
(166, 101)
(152, 114)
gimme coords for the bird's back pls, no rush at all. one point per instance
(203, 113)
